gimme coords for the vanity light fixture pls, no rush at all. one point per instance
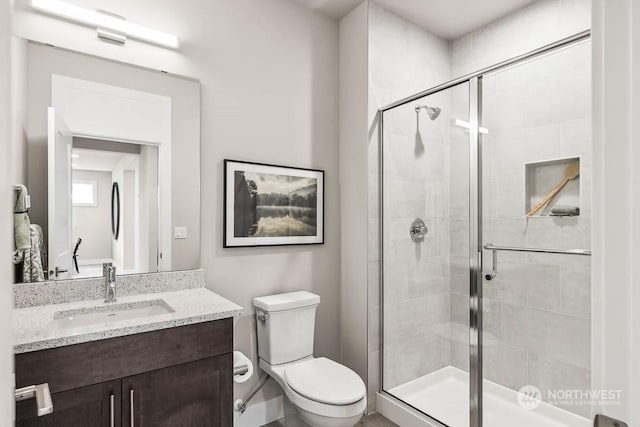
(111, 27)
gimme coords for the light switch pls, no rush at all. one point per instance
(180, 232)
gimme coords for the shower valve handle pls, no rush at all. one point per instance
(418, 230)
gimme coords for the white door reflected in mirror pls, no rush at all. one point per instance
(60, 141)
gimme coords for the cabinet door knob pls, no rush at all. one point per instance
(41, 393)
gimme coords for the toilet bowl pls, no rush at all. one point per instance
(324, 393)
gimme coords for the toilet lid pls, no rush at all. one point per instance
(325, 381)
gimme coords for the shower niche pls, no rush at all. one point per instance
(552, 188)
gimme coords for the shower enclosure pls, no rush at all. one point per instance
(485, 225)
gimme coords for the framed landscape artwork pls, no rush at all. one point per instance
(268, 205)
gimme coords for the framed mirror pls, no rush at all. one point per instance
(107, 144)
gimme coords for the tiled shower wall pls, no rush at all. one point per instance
(416, 275)
(538, 24)
(404, 59)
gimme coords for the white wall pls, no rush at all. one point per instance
(129, 218)
(19, 108)
(616, 232)
(269, 78)
(272, 96)
(93, 223)
(634, 374)
(147, 227)
(7, 404)
(353, 197)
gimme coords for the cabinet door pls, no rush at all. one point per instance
(93, 406)
(196, 394)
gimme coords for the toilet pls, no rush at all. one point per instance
(325, 393)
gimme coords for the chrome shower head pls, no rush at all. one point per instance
(432, 112)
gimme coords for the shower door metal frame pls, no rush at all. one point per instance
(475, 254)
(475, 216)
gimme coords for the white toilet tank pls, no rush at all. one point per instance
(286, 326)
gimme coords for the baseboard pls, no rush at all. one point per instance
(260, 413)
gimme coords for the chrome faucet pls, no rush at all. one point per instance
(109, 273)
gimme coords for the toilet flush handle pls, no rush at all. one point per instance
(262, 316)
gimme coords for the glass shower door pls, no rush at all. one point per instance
(425, 254)
(536, 184)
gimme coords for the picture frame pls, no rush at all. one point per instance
(272, 205)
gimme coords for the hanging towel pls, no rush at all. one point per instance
(34, 260)
(29, 239)
(561, 210)
(21, 221)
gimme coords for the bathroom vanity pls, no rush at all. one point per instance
(154, 378)
(158, 352)
(153, 369)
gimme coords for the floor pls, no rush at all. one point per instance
(373, 420)
(444, 395)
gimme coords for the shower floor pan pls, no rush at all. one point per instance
(444, 395)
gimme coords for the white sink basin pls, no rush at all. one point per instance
(106, 313)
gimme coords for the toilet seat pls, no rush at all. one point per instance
(325, 381)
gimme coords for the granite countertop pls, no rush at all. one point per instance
(35, 328)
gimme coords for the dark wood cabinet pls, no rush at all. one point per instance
(91, 406)
(174, 377)
(186, 395)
